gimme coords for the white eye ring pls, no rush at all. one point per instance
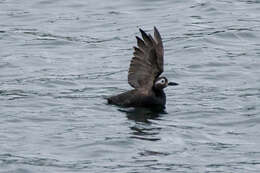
(162, 81)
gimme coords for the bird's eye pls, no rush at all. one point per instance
(162, 81)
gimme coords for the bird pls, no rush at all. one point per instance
(144, 73)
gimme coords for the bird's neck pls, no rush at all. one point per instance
(158, 92)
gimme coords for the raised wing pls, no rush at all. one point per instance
(147, 63)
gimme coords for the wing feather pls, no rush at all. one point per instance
(159, 48)
(147, 63)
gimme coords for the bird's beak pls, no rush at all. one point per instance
(172, 83)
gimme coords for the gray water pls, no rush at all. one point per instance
(59, 59)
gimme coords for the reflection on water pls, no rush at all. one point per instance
(142, 114)
(143, 117)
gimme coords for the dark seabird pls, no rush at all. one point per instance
(144, 75)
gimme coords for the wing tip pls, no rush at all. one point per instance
(138, 38)
(141, 30)
(155, 29)
(144, 35)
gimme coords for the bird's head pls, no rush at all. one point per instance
(162, 82)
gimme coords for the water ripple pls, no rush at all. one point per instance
(60, 59)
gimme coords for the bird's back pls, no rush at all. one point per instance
(137, 98)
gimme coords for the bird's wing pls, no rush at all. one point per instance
(147, 63)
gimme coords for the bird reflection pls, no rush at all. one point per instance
(143, 114)
(144, 128)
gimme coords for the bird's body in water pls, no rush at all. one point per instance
(144, 75)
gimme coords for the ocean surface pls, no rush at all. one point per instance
(59, 59)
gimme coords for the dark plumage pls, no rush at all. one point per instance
(145, 68)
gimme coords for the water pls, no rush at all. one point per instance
(58, 60)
